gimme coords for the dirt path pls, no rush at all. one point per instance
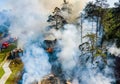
(7, 72)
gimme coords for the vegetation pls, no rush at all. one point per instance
(2, 57)
(11, 47)
(16, 67)
(93, 49)
(5, 52)
(1, 72)
(57, 20)
(111, 25)
(108, 18)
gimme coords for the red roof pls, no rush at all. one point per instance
(5, 44)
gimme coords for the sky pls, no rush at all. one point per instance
(4, 4)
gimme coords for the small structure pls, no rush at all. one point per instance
(5, 45)
(16, 53)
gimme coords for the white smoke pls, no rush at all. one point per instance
(30, 16)
(97, 79)
(75, 81)
(114, 50)
(94, 73)
(69, 43)
(28, 21)
(36, 64)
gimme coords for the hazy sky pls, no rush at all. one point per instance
(4, 3)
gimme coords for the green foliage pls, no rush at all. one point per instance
(111, 25)
(16, 67)
(56, 19)
(2, 57)
(99, 52)
(91, 10)
(96, 51)
(4, 52)
(109, 19)
(1, 72)
(92, 38)
(11, 47)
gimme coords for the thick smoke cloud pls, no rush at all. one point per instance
(28, 21)
(36, 63)
(30, 16)
(69, 44)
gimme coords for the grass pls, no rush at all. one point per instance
(4, 52)
(11, 47)
(16, 67)
(2, 57)
(1, 72)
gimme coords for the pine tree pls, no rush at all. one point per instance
(95, 12)
(91, 12)
(56, 20)
(101, 4)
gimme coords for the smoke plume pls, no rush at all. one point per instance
(69, 43)
(114, 50)
(28, 24)
(30, 16)
(36, 64)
